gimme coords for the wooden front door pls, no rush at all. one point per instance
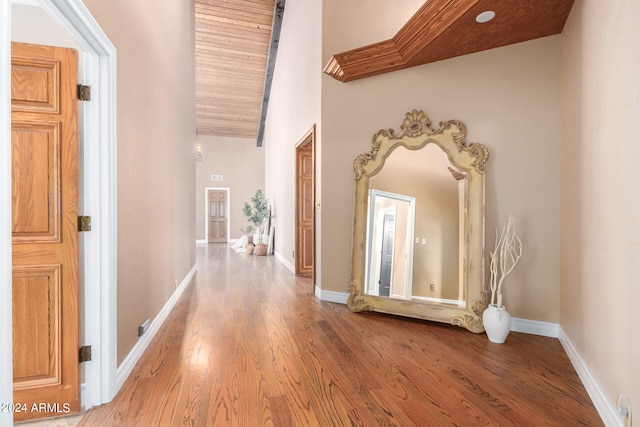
(44, 173)
(305, 207)
(217, 216)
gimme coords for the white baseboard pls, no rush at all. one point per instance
(285, 262)
(203, 241)
(127, 365)
(604, 407)
(453, 302)
(331, 296)
(535, 327)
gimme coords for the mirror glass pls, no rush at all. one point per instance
(414, 228)
(419, 224)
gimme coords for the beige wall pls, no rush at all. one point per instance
(155, 139)
(294, 108)
(509, 99)
(241, 164)
(600, 208)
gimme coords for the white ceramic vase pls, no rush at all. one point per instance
(497, 323)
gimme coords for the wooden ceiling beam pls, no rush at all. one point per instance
(443, 29)
(278, 15)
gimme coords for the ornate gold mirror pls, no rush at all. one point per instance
(418, 236)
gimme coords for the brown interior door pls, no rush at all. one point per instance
(305, 209)
(44, 175)
(217, 216)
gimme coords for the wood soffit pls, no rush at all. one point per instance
(443, 29)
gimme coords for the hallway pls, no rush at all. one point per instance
(249, 344)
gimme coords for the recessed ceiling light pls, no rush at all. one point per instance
(485, 16)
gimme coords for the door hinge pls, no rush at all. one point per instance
(84, 93)
(84, 223)
(84, 355)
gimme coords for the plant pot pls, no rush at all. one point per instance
(260, 238)
(261, 249)
(249, 248)
(497, 323)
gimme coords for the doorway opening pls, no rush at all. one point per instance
(97, 189)
(216, 214)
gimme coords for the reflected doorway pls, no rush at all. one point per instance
(390, 234)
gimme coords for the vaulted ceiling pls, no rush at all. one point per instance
(233, 40)
(236, 41)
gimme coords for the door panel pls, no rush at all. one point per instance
(34, 83)
(35, 181)
(44, 175)
(36, 291)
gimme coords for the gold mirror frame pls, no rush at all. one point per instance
(415, 133)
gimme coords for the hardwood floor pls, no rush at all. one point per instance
(249, 345)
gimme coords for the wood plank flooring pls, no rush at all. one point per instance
(250, 345)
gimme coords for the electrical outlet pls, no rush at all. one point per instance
(176, 283)
(144, 326)
(293, 254)
(624, 409)
(432, 287)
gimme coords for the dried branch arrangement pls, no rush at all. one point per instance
(504, 258)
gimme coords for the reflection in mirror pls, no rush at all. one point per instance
(418, 236)
(422, 260)
(389, 244)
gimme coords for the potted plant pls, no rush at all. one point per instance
(246, 232)
(505, 256)
(257, 213)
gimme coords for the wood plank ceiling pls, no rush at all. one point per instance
(233, 39)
